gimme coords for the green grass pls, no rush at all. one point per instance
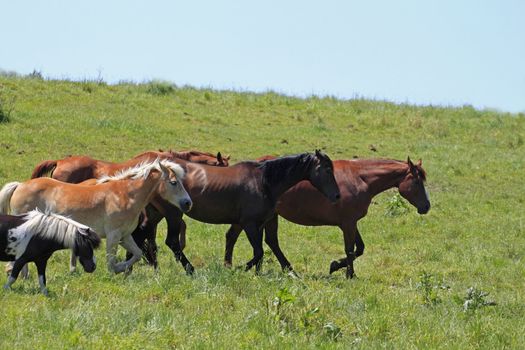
(411, 283)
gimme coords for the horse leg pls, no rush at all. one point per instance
(111, 253)
(145, 235)
(17, 267)
(349, 234)
(360, 248)
(41, 264)
(72, 262)
(9, 267)
(131, 247)
(182, 235)
(231, 238)
(255, 234)
(173, 241)
(272, 240)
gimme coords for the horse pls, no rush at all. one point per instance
(111, 207)
(35, 236)
(75, 169)
(359, 181)
(245, 194)
(81, 168)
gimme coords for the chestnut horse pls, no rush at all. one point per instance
(76, 169)
(80, 168)
(359, 181)
(111, 208)
(245, 194)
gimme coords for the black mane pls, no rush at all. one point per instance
(275, 170)
(85, 240)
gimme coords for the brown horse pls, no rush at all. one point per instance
(245, 194)
(359, 181)
(111, 207)
(77, 169)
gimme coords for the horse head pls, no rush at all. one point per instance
(322, 176)
(221, 161)
(412, 187)
(86, 241)
(171, 188)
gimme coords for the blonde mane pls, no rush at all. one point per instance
(142, 170)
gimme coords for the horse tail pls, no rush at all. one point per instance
(43, 168)
(5, 196)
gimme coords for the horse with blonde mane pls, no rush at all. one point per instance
(111, 207)
(76, 169)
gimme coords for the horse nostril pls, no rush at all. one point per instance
(186, 204)
(338, 196)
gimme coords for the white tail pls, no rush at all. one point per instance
(5, 196)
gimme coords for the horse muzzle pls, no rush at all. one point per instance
(185, 205)
(424, 209)
(90, 268)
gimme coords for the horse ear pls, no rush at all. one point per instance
(318, 152)
(227, 157)
(163, 169)
(411, 165)
(219, 157)
(419, 162)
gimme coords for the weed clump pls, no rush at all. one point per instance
(397, 206)
(7, 105)
(429, 287)
(160, 88)
(475, 299)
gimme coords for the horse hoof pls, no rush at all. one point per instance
(7, 287)
(350, 275)
(293, 275)
(333, 266)
(227, 264)
(45, 292)
(189, 270)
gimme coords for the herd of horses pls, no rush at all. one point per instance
(73, 202)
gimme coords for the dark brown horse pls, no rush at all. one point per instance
(245, 194)
(359, 181)
(77, 169)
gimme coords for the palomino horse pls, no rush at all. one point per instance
(359, 181)
(111, 208)
(35, 236)
(245, 194)
(81, 168)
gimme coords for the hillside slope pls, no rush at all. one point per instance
(412, 279)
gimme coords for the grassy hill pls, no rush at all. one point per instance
(411, 283)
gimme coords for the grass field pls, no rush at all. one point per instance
(412, 281)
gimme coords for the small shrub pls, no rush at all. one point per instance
(475, 299)
(35, 74)
(397, 206)
(160, 88)
(429, 287)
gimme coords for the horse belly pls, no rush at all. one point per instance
(308, 209)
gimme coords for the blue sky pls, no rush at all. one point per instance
(441, 52)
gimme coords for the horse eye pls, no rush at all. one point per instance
(173, 182)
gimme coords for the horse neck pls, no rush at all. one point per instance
(141, 191)
(383, 175)
(281, 174)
